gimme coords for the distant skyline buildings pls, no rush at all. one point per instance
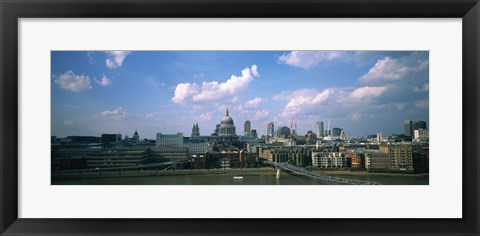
(410, 126)
(168, 91)
(320, 130)
(247, 128)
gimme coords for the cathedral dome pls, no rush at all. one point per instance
(226, 126)
(226, 120)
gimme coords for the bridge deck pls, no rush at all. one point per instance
(288, 167)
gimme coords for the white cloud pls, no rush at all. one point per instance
(184, 92)
(260, 114)
(72, 82)
(104, 81)
(254, 70)
(308, 59)
(115, 58)
(305, 98)
(389, 69)
(116, 113)
(330, 99)
(68, 122)
(367, 92)
(206, 116)
(214, 90)
(253, 103)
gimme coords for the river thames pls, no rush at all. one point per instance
(263, 178)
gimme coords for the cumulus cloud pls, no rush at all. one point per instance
(250, 105)
(390, 69)
(253, 103)
(72, 82)
(104, 81)
(115, 58)
(116, 113)
(206, 116)
(367, 92)
(214, 90)
(260, 114)
(184, 92)
(308, 100)
(309, 59)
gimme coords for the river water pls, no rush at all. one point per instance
(287, 179)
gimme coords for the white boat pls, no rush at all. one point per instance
(237, 177)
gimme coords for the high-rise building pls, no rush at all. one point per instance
(246, 128)
(270, 129)
(254, 133)
(320, 129)
(408, 128)
(336, 131)
(419, 125)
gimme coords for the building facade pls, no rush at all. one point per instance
(247, 128)
(400, 157)
(329, 159)
(408, 128)
(271, 129)
(420, 135)
(169, 140)
(320, 131)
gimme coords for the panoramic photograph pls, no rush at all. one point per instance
(239, 117)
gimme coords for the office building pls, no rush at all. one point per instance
(246, 128)
(336, 132)
(270, 129)
(419, 125)
(408, 128)
(329, 160)
(400, 157)
(170, 140)
(320, 130)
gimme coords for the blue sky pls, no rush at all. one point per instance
(364, 92)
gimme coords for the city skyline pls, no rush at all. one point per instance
(364, 92)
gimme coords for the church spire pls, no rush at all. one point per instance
(227, 112)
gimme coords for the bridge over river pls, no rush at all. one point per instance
(302, 171)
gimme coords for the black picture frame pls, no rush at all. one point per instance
(11, 11)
